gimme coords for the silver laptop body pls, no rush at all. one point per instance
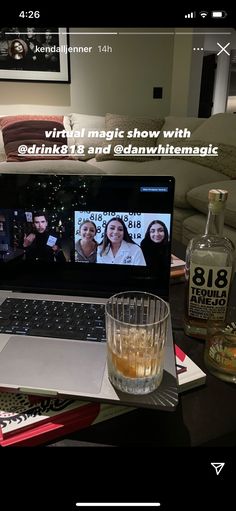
(61, 366)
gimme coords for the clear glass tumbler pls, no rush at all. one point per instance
(220, 348)
(136, 327)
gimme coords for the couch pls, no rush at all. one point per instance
(194, 174)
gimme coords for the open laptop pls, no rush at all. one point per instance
(41, 323)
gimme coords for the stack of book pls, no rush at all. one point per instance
(177, 267)
(188, 373)
(29, 420)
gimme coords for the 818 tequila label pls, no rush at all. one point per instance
(208, 291)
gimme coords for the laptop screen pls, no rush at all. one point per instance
(82, 234)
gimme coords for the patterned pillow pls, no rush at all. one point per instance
(36, 132)
(137, 134)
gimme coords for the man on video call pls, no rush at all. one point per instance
(41, 245)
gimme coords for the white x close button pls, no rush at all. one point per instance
(223, 48)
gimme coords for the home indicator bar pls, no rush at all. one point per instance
(117, 504)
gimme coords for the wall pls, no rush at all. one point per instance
(121, 81)
(195, 76)
(187, 67)
(223, 36)
(231, 105)
(181, 73)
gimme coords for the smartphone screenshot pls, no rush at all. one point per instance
(114, 126)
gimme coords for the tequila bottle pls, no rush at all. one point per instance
(209, 270)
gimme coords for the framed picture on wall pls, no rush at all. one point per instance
(34, 54)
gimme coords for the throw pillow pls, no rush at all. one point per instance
(134, 134)
(217, 128)
(34, 132)
(84, 128)
(220, 131)
(2, 150)
(198, 198)
(10, 119)
(173, 122)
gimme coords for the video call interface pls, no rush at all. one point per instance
(50, 236)
(67, 232)
(156, 76)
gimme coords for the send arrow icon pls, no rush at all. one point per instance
(218, 467)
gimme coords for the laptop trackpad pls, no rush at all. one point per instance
(71, 367)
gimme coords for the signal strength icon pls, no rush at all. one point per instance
(203, 14)
(190, 15)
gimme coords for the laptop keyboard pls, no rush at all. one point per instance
(67, 320)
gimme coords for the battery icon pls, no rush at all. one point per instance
(218, 14)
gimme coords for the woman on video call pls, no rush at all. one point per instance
(118, 247)
(155, 246)
(86, 246)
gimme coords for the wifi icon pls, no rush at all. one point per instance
(203, 14)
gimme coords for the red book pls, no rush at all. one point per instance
(29, 420)
(189, 374)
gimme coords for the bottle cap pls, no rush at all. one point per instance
(217, 195)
